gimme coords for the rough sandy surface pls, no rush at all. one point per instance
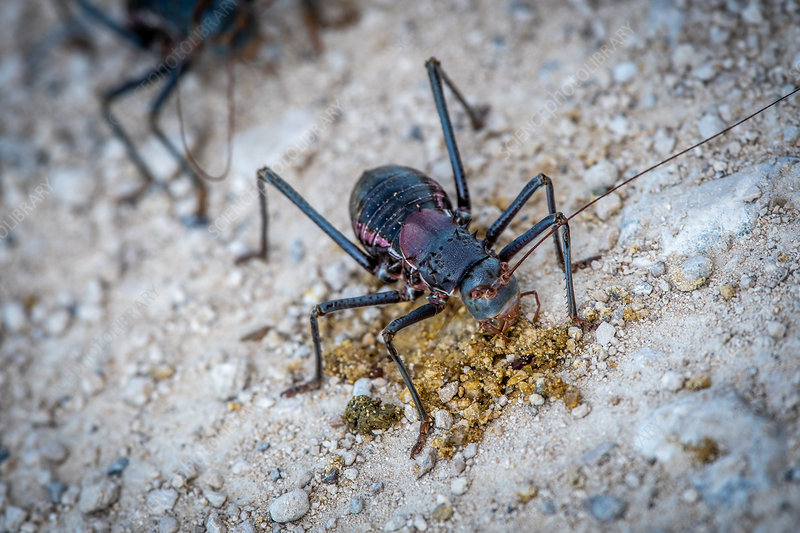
(121, 326)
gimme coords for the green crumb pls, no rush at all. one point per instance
(727, 291)
(698, 382)
(527, 493)
(363, 414)
(706, 451)
(442, 512)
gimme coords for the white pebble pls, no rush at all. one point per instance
(601, 175)
(536, 399)
(672, 381)
(289, 507)
(625, 72)
(459, 486)
(447, 392)
(14, 316)
(362, 387)
(710, 125)
(443, 419)
(775, 329)
(581, 411)
(605, 333)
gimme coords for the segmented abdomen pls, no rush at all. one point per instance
(382, 200)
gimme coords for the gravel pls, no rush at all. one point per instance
(605, 334)
(289, 507)
(98, 495)
(356, 504)
(605, 508)
(160, 501)
(693, 273)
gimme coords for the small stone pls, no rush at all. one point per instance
(245, 527)
(690, 496)
(608, 206)
(658, 269)
(447, 392)
(581, 411)
(54, 451)
(672, 381)
(642, 289)
(14, 316)
(159, 501)
(56, 322)
(289, 507)
(698, 382)
(632, 480)
(536, 399)
(376, 488)
(548, 507)
(705, 72)
(459, 486)
(356, 504)
(214, 524)
(470, 450)
(362, 387)
(72, 186)
(304, 479)
(395, 522)
(693, 273)
(604, 333)
(15, 517)
(264, 446)
(775, 329)
(459, 463)
(575, 333)
(746, 282)
(710, 125)
(98, 496)
(118, 466)
(216, 499)
(443, 419)
(601, 176)
(410, 412)
(752, 13)
(426, 461)
(55, 490)
(727, 291)
(137, 391)
(350, 473)
(605, 508)
(168, 524)
(350, 458)
(625, 71)
(419, 523)
(442, 512)
(276, 474)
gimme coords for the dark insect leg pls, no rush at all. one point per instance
(559, 222)
(269, 176)
(524, 195)
(173, 75)
(420, 313)
(116, 128)
(99, 16)
(476, 115)
(381, 298)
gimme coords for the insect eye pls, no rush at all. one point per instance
(476, 293)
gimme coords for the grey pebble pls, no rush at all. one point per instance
(216, 499)
(604, 333)
(54, 451)
(443, 419)
(459, 463)
(118, 466)
(276, 474)
(601, 175)
(362, 387)
(55, 489)
(658, 269)
(304, 478)
(350, 473)
(447, 392)
(159, 501)
(548, 507)
(693, 273)
(245, 527)
(600, 454)
(642, 289)
(775, 329)
(710, 125)
(470, 450)
(97, 496)
(426, 461)
(376, 488)
(605, 508)
(459, 486)
(608, 206)
(214, 524)
(264, 446)
(625, 71)
(356, 504)
(395, 522)
(168, 524)
(290, 506)
(14, 518)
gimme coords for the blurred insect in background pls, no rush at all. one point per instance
(177, 31)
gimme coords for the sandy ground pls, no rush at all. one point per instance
(121, 327)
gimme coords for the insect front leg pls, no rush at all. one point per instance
(558, 223)
(381, 298)
(477, 116)
(417, 315)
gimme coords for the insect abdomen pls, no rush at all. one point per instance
(384, 197)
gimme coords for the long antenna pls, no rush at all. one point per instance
(665, 161)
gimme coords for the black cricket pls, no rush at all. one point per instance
(410, 231)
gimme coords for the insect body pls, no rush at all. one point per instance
(410, 231)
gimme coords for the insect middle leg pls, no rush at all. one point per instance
(477, 116)
(369, 300)
(417, 315)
